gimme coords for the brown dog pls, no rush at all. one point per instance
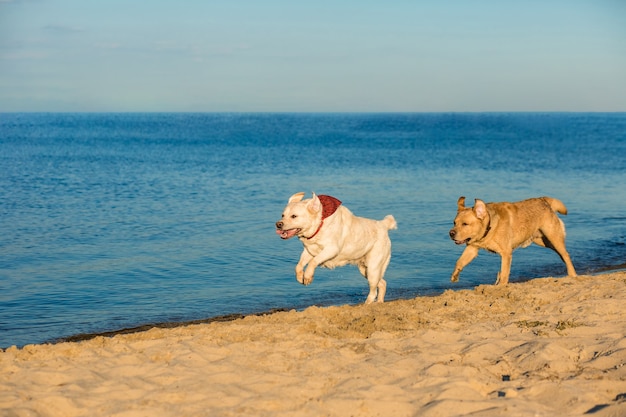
(503, 227)
(332, 236)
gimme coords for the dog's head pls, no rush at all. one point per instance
(299, 216)
(470, 224)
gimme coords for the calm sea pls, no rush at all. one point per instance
(111, 221)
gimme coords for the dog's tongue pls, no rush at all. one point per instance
(286, 234)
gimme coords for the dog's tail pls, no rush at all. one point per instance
(556, 205)
(390, 222)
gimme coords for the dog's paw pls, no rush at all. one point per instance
(300, 277)
(454, 278)
(502, 279)
(307, 280)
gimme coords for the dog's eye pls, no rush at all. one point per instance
(463, 224)
(293, 216)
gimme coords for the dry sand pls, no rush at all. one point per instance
(547, 347)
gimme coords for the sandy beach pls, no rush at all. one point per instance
(546, 347)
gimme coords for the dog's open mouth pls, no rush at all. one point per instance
(460, 242)
(286, 234)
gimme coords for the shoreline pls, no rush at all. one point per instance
(162, 325)
(547, 346)
(235, 316)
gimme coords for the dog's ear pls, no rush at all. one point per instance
(460, 204)
(315, 204)
(296, 197)
(480, 209)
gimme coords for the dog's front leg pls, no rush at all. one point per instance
(305, 257)
(327, 253)
(467, 256)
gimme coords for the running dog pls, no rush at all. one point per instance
(503, 227)
(332, 236)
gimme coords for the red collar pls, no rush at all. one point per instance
(329, 206)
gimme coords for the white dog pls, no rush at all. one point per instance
(332, 236)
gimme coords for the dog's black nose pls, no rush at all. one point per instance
(279, 225)
(452, 233)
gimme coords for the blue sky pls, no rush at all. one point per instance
(314, 56)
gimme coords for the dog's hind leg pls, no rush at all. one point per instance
(571, 271)
(556, 242)
(373, 279)
(378, 288)
(374, 275)
(382, 289)
(363, 269)
(505, 268)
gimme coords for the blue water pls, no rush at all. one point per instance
(110, 221)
